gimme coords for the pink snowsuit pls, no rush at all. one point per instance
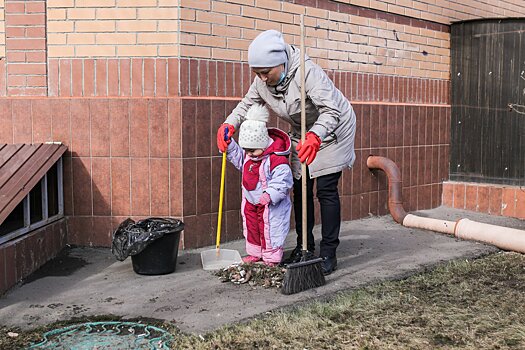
(265, 226)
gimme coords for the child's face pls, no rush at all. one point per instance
(253, 152)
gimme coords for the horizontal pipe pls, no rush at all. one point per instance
(502, 237)
(437, 225)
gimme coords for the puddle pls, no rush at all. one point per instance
(61, 265)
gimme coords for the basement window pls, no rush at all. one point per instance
(41, 206)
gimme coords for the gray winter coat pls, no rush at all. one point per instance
(328, 114)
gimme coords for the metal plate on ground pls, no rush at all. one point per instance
(106, 335)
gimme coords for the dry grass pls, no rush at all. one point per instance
(462, 305)
(476, 304)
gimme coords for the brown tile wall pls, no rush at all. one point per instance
(405, 119)
(202, 172)
(123, 158)
(492, 199)
(416, 137)
(145, 156)
(20, 257)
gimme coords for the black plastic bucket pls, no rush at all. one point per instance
(160, 256)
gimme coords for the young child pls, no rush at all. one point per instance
(262, 157)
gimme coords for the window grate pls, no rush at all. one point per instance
(43, 205)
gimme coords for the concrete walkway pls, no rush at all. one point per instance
(92, 282)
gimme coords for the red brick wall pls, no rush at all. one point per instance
(215, 78)
(150, 77)
(113, 77)
(2, 77)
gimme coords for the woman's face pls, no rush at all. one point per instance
(271, 75)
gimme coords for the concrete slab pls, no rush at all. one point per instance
(93, 282)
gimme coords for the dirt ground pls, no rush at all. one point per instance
(90, 282)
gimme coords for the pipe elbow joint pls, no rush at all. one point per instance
(395, 190)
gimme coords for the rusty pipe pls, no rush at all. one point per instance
(395, 185)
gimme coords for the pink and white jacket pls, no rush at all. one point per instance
(270, 173)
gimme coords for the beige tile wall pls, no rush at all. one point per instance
(112, 28)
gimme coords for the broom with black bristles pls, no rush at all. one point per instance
(307, 273)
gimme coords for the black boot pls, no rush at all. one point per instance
(295, 256)
(329, 265)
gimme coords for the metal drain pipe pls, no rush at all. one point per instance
(499, 236)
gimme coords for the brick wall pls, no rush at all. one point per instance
(136, 90)
(2, 49)
(112, 28)
(2, 29)
(336, 40)
(25, 34)
(441, 11)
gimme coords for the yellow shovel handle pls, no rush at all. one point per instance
(221, 200)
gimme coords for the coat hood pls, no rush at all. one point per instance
(281, 144)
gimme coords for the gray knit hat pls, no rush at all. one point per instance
(267, 50)
(253, 133)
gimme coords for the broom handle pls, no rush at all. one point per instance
(221, 201)
(303, 132)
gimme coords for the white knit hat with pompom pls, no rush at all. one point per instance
(253, 133)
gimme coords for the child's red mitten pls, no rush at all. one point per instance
(265, 199)
(224, 137)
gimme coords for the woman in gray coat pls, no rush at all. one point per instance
(329, 141)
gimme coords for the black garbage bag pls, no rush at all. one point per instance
(131, 237)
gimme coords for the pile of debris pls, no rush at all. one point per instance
(255, 274)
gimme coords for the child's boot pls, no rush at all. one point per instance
(249, 259)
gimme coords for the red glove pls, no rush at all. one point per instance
(224, 135)
(308, 151)
(265, 199)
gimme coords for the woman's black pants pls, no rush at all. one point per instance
(328, 196)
